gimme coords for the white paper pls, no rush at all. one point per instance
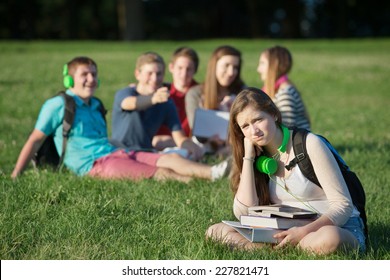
(208, 123)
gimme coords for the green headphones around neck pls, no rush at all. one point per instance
(269, 165)
(68, 79)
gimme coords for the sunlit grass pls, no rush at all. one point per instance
(46, 215)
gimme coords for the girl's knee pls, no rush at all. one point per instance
(325, 240)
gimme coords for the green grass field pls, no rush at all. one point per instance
(48, 215)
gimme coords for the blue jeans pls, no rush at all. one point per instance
(355, 226)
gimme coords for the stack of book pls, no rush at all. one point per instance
(277, 216)
(262, 222)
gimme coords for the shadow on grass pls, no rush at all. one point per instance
(379, 241)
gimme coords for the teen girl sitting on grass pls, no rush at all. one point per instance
(221, 85)
(255, 128)
(274, 65)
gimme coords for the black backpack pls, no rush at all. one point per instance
(355, 187)
(47, 154)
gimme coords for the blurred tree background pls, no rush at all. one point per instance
(189, 19)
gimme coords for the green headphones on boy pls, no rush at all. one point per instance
(68, 79)
(269, 165)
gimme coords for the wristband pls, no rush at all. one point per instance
(247, 158)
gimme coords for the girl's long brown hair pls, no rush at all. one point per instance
(259, 100)
(279, 63)
(211, 86)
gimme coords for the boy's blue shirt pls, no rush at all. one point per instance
(87, 140)
(135, 129)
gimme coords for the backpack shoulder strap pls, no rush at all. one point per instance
(353, 183)
(70, 108)
(301, 156)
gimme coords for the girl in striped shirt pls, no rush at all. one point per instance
(274, 65)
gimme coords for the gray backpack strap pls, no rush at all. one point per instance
(70, 109)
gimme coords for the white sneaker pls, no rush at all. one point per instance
(220, 170)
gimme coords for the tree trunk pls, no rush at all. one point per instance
(131, 19)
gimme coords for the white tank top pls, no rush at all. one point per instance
(298, 191)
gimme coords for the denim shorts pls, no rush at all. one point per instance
(355, 226)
